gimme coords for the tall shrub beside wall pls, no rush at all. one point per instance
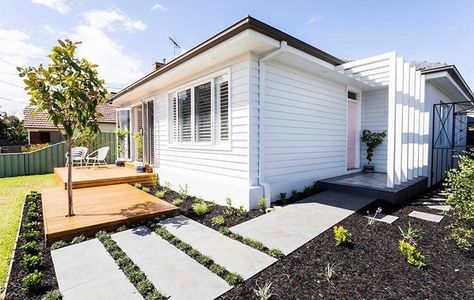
(45, 160)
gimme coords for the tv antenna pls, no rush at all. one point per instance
(175, 45)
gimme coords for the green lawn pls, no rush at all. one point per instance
(12, 194)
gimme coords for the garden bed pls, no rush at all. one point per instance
(373, 268)
(30, 244)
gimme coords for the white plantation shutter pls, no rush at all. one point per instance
(202, 112)
(173, 104)
(184, 116)
(222, 111)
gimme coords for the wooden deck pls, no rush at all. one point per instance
(98, 208)
(100, 176)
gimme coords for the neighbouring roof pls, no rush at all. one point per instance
(426, 65)
(38, 119)
(244, 24)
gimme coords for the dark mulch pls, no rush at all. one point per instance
(49, 281)
(186, 209)
(373, 268)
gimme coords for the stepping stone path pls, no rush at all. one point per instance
(173, 272)
(87, 271)
(231, 254)
(440, 207)
(426, 216)
(384, 218)
(292, 226)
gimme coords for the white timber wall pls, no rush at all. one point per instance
(304, 129)
(374, 117)
(211, 172)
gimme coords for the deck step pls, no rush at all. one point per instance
(87, 271)
(173, 272)
(231, 254)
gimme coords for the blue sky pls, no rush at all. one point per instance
(125, 37)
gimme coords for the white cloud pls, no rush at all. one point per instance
(48, 29)
(57, 5)
(106, 19)
(313, 19)
(159, 7)
(117, 67)
(16, 49)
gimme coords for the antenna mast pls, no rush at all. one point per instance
(175, 45)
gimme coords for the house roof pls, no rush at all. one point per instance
(39, 119)
(244, 24)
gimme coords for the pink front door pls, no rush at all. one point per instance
(351, 133)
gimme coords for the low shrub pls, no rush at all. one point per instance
(32, 282)
(78, 239)
(145, 287)
(218, 220)
(233, 278)
(33, 216)
(276, 253)
(30, 247)
(31, 262)
(58, 244)
(32, 225)
(122, 228)
(155, 295)
(225, 230)
(160, 194)
(53, 295)
(283, 198)
(136, 276)
(31, 235)
(146, 189)
(183, 246)
(183, 191)
(262, 204)
(177, 202)
(204, 260)
(217, 269)
(342, 236)
(240, 211)
(200, 208)
(413, 256)
(138, 185)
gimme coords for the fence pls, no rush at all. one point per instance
(45, 160)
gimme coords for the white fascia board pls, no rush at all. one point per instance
(446, 74)
(309, 57)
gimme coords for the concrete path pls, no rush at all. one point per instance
(173, 273)
(231, 254)
(87, 271)
(425, 216)
(290, 227)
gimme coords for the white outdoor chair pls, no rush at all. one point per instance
(98, 156)
(78, 155)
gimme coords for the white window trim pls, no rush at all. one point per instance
(213, 144)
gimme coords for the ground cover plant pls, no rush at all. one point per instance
(374, 268)
(12, 196)
(32, 274)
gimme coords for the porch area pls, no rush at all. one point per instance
(375, 184)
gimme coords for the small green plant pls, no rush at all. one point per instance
(262, 204)
(276, 253)
(31, 235)
(217, 269)
(145, 287)
(53, 295)
(307, 190)
(218, 220)
(342, 236)
(372, 139)
(31, 262)
(200, 208)
(204, 260)
(283, 198)
(230, 210)
(372, 219)
(233, 278)
(78, 239)
(177, 202)
(58, 244)
(32, 281)
(263, 292)
(32, 225)
(30, 247)
(412, 235)
(139, 145)
(167, 186)
(146, 189)
(225, 231)
(122, 228)
(329, 271)
(183, 191)
(160, 194)
(138, 185)
(241, 211)
(413, 256)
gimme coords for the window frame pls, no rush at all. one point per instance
(214, 143)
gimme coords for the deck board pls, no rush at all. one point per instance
(104, 175)
(98, 208)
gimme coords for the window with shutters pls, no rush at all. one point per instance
(199, 113)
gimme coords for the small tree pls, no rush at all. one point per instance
(69, 91)
(372, 139)
(139, 145)
(121, 135)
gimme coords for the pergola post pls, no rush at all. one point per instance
(391, 130)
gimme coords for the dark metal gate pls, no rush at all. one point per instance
(450, 137)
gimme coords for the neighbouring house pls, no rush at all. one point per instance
(253, 112)
(42, 131)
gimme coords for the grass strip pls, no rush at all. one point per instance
(230, 277)
(144, 286)
(274, 252)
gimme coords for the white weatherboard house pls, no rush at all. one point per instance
(253, 112)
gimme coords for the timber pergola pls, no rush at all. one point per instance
(408, 116)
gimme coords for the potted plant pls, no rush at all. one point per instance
(121, 135)
(139, 166)
(371, 139)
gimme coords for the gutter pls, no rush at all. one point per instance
(261, 116)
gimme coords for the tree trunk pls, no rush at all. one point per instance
(69, 177)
